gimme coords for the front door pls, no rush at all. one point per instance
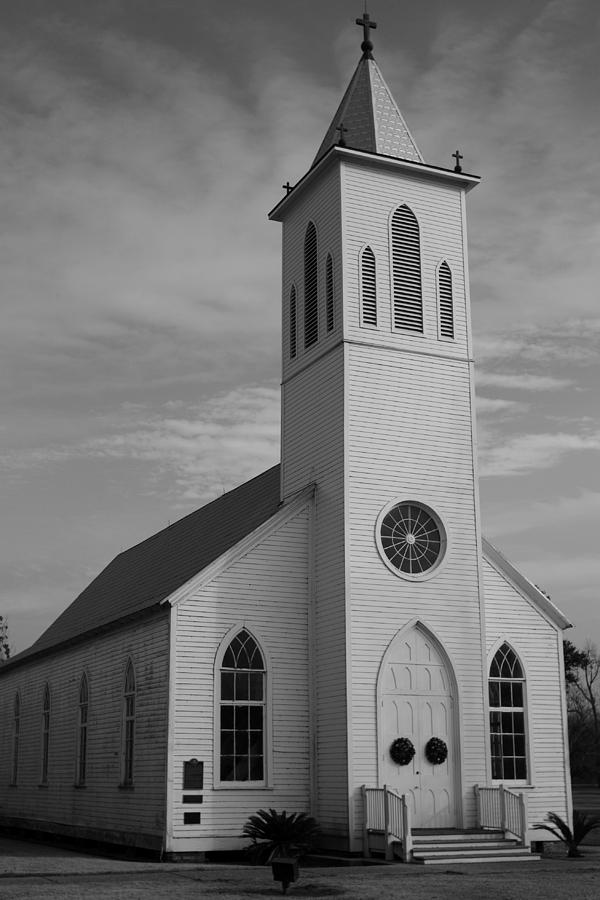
(416, 702)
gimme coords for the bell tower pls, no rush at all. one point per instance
(378, 412)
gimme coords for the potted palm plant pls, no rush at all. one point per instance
(582, 825)
(280, 839)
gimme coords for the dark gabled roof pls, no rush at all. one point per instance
(143, 576)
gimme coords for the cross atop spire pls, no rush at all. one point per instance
(366, 46)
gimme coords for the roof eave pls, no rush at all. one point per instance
(524, 586)
(463, 180)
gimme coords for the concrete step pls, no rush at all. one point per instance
(460, 860)
(459, 846)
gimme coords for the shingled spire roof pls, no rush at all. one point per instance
(370, 118)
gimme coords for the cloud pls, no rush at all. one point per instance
(517, 455)
(521, 381)
(580, 512)
(491, 406)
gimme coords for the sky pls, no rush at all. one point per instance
(143, 144)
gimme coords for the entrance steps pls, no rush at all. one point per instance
(431, 848)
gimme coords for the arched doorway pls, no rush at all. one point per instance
(416, 699)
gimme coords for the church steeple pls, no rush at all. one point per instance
(368, 117)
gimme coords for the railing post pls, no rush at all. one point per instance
(523, 816)
(406, 831)
(477, 807)
(366, 848)
(503, 816)
(386, 823)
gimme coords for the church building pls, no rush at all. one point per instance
(335, 636)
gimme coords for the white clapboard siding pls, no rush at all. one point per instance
(101, 810)
(410, 437)
(322, 207)
(370, 196)
(266, 592)
(538, 642)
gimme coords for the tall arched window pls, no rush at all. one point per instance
(242, 711)
(507, 716)
(368, 289)
(329, 309)
(311, 299)
(406, 270)
(293, 323)
(16, 735)
(45, 733)
(82, 726)
(128, 727)
(446, 305)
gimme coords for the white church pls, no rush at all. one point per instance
(335, 636)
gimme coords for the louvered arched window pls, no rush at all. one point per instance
(406, 271)
(293, 323)
(82, 731)
(128, 727)
(368, 289)
(45, 733)
(311, 301)
(242, 711)
(508, 743)
(329, 310)
(446, 303)
(16, 738)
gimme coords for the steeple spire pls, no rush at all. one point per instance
(368, 113)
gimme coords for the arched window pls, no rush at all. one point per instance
(82, 726)
(368, 289)
(311, 300)
(242, 711)
(329, 310)
(445, 301)
(406, 271)
(507, 716)
(128, 727)
(16, 734)
(45, 733)
(293, 323)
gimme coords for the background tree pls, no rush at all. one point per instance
(4, 645)
(582, 674)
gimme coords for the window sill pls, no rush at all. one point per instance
(242, 786)
(514, 785)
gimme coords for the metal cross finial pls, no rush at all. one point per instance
(287, 187)
(457, 156)
(366, 45)
(342, 130)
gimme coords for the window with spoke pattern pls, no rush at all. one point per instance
(242, 711)
(368, 289)
(445, 301)
(293, 323)
(507, 716)
(329, 292)
(406, 271)
(412, 538)
(311, 299)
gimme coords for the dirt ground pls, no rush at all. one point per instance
(43, 873)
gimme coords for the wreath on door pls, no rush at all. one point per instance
(436, 751)
(402, 751)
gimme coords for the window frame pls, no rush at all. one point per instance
(293, 323)
(361, 288)
(266, 782)
(527, 780)
(310, 288)
(445, 337)
(395, 283)
(81, 759)
(128, 727)
(329, 294)
(14, 768)
(45, 747)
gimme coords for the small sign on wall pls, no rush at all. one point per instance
(193, 775)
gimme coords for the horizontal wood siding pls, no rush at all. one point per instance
(321, 206)
(409, 437)
(267, 592)
(135, 815)
(370, 196)
(511, 618)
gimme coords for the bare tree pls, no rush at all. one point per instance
(4, 645)
(583, 693)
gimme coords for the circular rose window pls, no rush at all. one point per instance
(411, 538)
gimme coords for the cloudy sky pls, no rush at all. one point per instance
(143, 143)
